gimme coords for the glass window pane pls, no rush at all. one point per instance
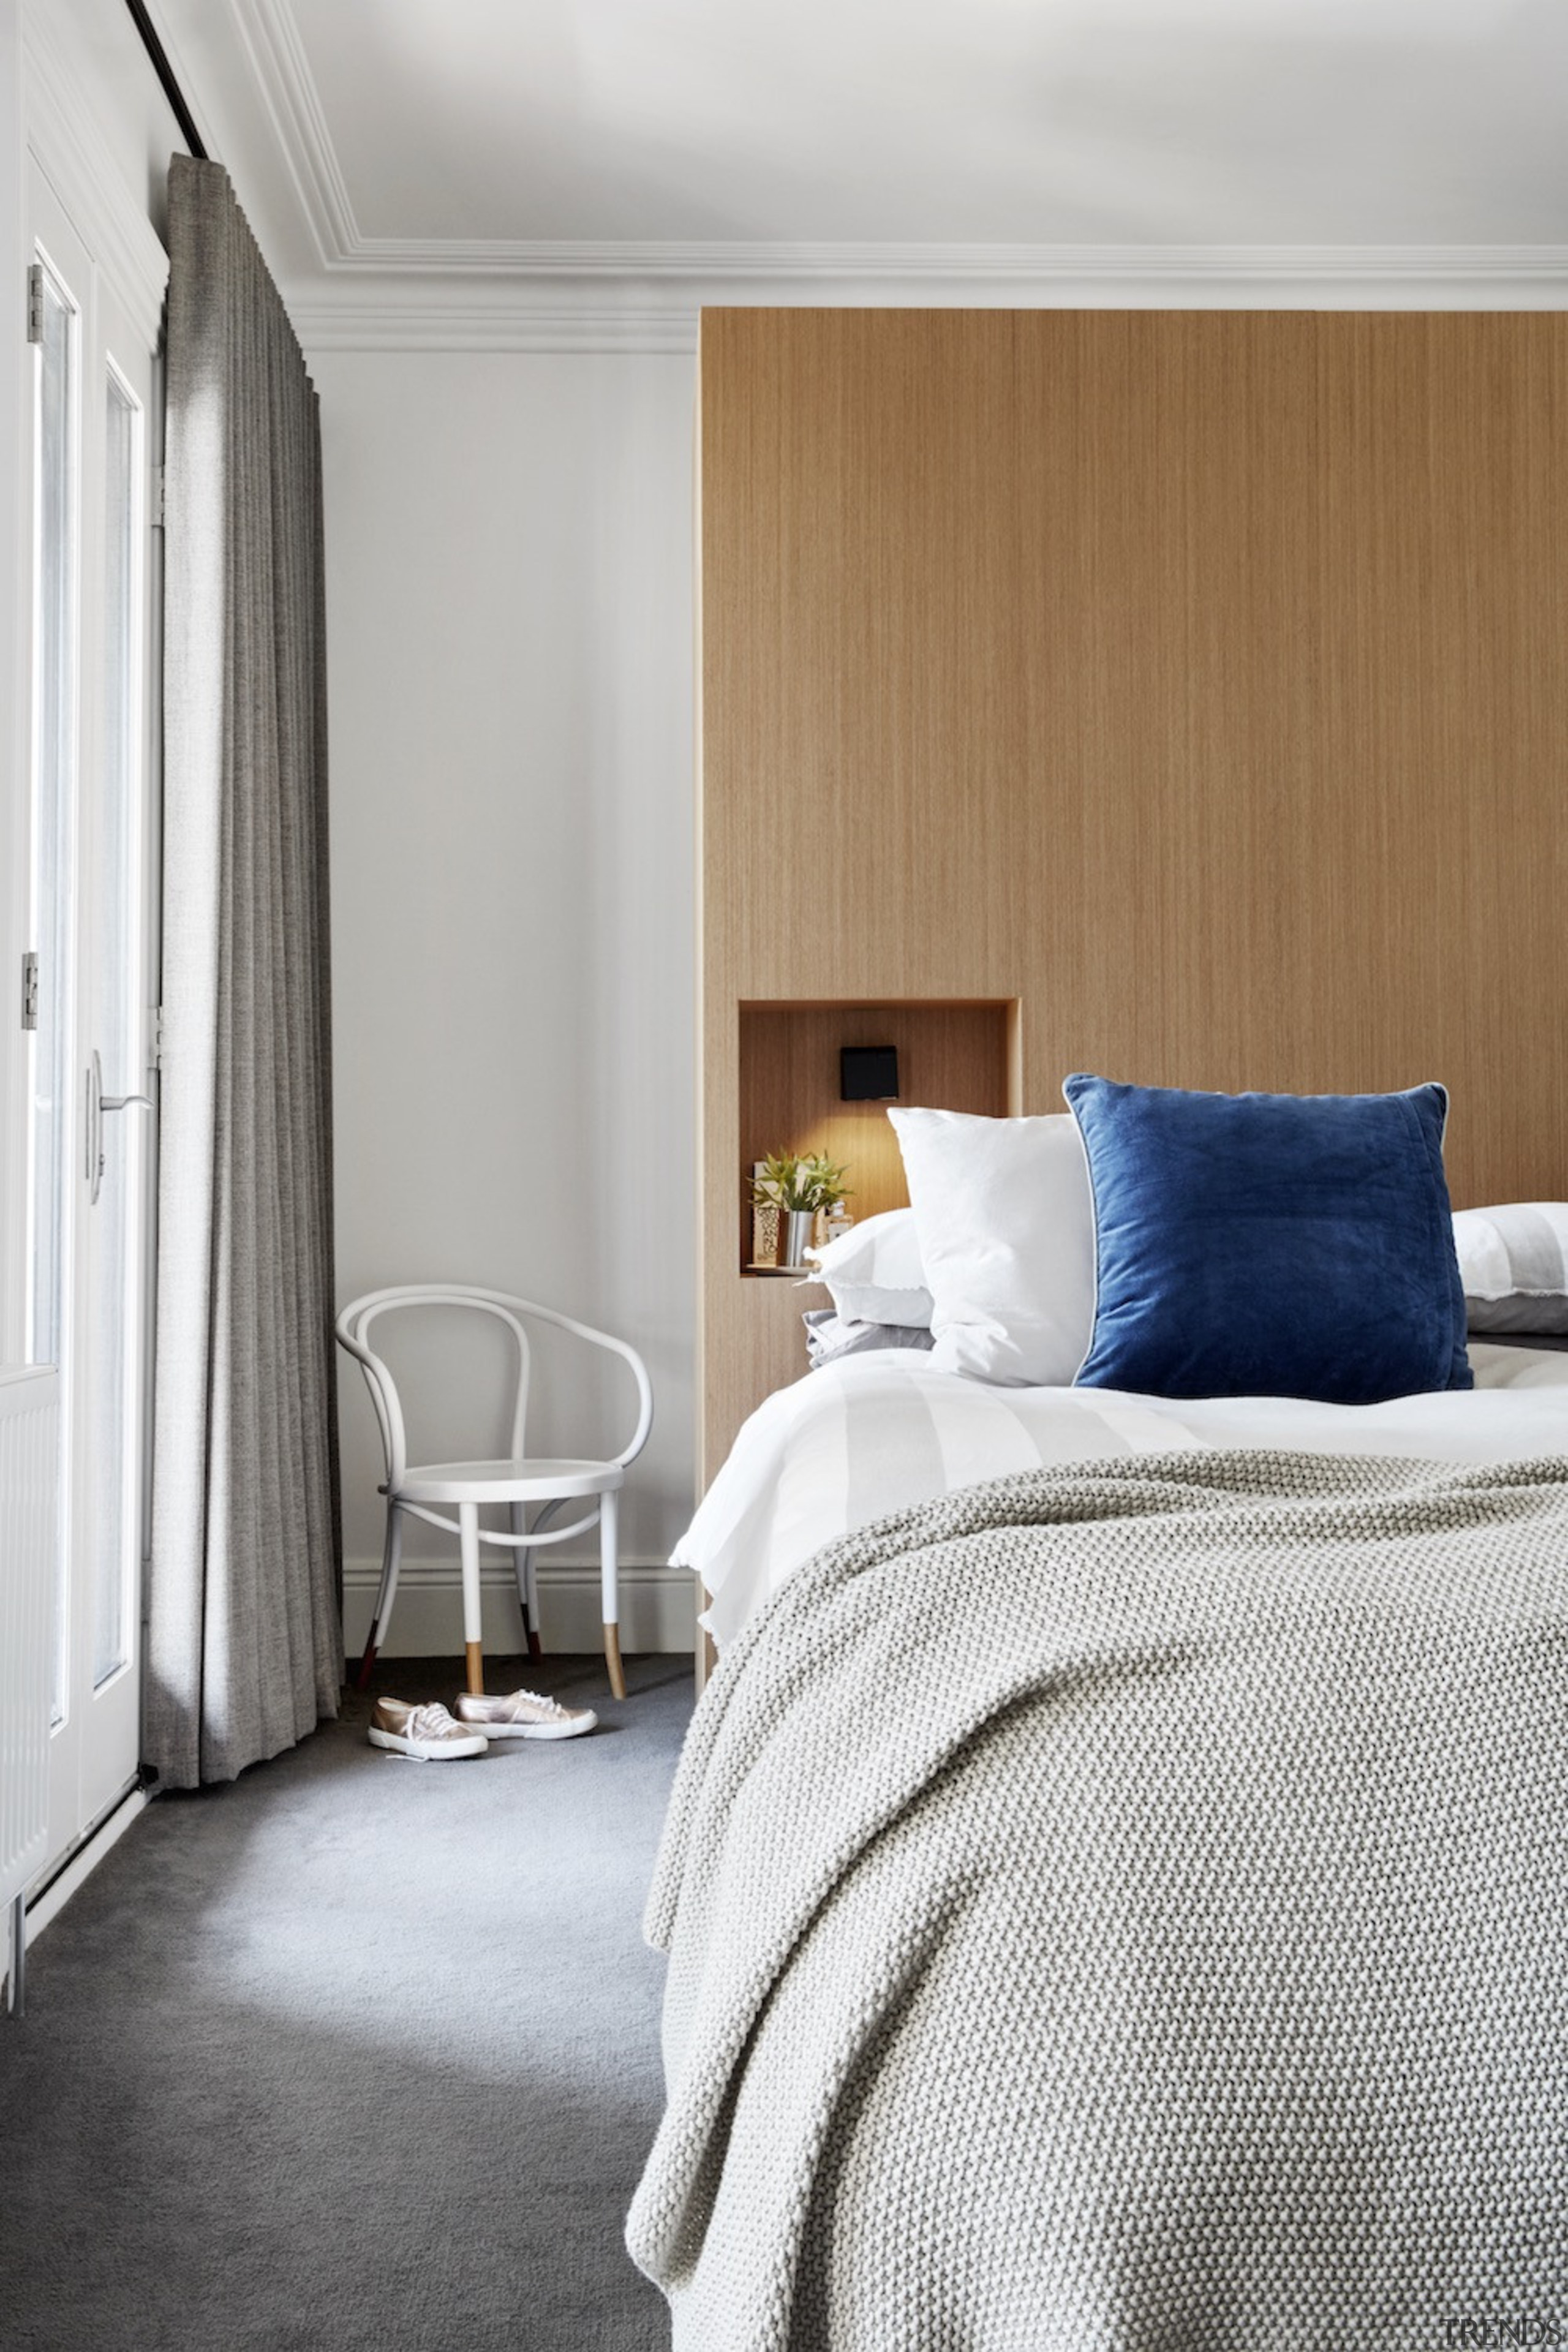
(114, 1333)
(50, 1122)
(54, 762)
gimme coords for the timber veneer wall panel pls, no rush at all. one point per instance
(1197, 679)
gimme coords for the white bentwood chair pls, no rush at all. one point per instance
(518, 1482)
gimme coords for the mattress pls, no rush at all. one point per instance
(876, 1434)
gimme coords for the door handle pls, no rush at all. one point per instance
(97, 1102)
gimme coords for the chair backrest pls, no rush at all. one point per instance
(357, 1320)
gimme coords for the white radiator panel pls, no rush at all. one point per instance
(30, 1442)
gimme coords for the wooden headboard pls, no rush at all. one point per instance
(1194, 685)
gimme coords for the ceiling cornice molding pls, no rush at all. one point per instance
(288, 89)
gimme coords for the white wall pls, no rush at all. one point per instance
(509, 602)
(116, 87)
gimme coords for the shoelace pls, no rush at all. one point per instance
(536, 1698)
(430, 1722)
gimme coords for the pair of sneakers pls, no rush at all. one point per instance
(431, 1735)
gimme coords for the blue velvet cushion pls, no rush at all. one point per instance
(1272, 1245)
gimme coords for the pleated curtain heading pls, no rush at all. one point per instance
(245, 1648)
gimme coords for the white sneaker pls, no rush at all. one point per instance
(427, 1733)
(523, 1714)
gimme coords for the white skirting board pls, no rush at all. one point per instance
(85, 1861)
(100, 1840)
(659, 1608)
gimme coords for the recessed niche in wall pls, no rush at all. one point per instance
(953, 1055)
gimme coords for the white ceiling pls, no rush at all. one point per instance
(537, 136)
(1036, 121)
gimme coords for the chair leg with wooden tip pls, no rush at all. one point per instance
(473, 1624)
(609, 1515)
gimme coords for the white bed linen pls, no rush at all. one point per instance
(874, 1433)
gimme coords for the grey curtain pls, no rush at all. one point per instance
(245, 1648)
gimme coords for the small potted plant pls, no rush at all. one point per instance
(767, 1208)
(831, 1194)
(802, 1188)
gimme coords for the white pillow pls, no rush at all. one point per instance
(874, 1272)
(1513, 1263)
(1005, 1221)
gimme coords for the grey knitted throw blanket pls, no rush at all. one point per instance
(1128, 1907)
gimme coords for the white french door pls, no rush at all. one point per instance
(89, 1145)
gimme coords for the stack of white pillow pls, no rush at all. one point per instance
(1514, 1262)
(995, 1255)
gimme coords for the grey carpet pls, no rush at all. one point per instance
(355, 2053)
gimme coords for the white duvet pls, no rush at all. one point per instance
(877, 1432)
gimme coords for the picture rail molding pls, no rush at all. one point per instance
(428, 312)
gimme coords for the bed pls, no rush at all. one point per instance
(878, 1433)
(1114, 1884)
